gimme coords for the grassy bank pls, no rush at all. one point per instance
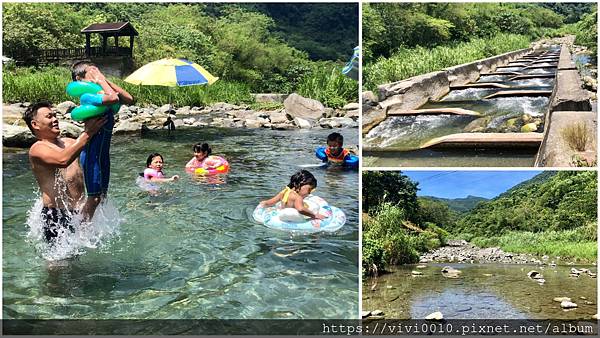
(573, 244)
(389, 239)
(411, 62)
(324, 83)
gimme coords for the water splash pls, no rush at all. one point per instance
(539, 82)
(467, 94)
(492, 78)
(534, 106)
(103, 226)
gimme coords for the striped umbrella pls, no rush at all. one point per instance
(171, 73)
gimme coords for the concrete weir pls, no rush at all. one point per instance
(568, 103)
(486, 140)
(414, 92)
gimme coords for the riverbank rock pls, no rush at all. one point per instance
(450, 272)
(468, 253)
(529, 128)
(567, 304)
(477, 125)
(435, 316)
(298, 106)
(16, 136)
(534, 275)
(416, 273)
(562, 299)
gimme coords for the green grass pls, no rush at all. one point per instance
(328, 85)
(406, 63)
(575, 244)
(48, 83)
(324, 83)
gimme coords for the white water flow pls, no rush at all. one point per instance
(87, 235)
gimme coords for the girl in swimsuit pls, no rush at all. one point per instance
(153, 171)
(203, 159)
(301, 185)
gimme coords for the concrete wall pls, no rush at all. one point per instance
(414, 92)
(555, 151)
(569, 104)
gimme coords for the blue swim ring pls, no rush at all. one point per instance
(283, 219)
(350, 161)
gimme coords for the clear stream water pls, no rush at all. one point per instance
(484, 291)
(193, 251)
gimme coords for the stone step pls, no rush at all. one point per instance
(510, 93)
(500, 73)
(486, 140)
(531, 76)
(434, 111)
(480, 85)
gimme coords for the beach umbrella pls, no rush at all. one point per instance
(171, 73)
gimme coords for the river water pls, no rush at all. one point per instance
(483, 291)
(193, 251)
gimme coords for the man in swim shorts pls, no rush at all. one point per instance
(54, 164)
(95, 157)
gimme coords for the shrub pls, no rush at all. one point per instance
(576, 136)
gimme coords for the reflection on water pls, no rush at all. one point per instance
(484, 291)
(193, 251)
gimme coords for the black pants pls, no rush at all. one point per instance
(54, 219)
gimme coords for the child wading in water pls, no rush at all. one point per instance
(153, 171)
(301, 185)
(204, 160)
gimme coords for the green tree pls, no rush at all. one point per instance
(391, 187)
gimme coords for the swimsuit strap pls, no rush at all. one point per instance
(286, 194)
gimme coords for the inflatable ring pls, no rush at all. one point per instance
(85, 91)
(86, 111)
(289, 219)
(222, 169)
(78, 88)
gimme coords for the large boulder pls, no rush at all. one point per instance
(127, 126)
(278, 118)
(69, 129)
(338, 122)
(12, 112)
(302, 123)
(65, 107)
(16, 136)
(298, 106)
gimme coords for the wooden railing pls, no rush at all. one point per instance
(46, 55)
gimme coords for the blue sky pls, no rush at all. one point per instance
(459, 184)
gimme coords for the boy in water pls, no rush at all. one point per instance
(334, 153)
(47, 156)
(95, 157)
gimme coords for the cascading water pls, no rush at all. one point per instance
(527, 87)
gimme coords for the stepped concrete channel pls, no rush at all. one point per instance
(506, 110)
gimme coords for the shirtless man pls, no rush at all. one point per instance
(55, 166)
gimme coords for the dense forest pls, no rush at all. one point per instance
(401, 40)
(266, 47)
(552, 213)
(459, 205)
